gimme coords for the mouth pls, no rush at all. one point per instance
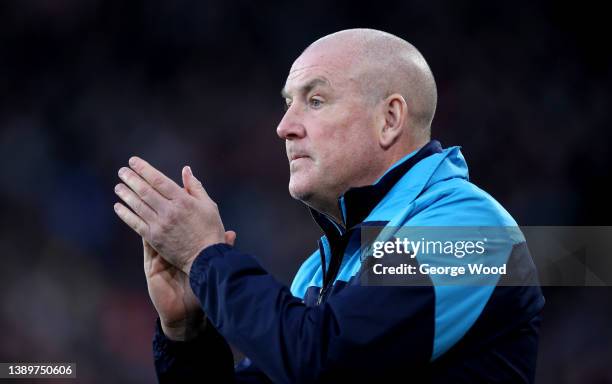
(296, 157)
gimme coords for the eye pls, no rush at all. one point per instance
(315, 103)
(287, 104)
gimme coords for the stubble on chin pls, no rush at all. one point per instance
(299, 192)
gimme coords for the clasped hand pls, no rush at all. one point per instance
(177, 222)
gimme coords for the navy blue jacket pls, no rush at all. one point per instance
(330, 327)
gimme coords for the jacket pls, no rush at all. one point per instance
(329, 326)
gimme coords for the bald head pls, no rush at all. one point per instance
(384, 64)
(357, 102)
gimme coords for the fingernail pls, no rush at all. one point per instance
(116, 206)
(189, 170)
(132, 161)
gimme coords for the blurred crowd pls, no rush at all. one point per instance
(523, 88)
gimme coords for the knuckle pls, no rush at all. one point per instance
(139, 206)
(154, 235)
(185, 203)
(128, 176)
(157, 182)
(161, 227)
(137, 166)
(143, 191)
(170, 219)
(142, 230)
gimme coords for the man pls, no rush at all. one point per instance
(357, 132)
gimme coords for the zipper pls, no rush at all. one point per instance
(342, 231)
(322, 293)
(323, 263)
(339, 227)
(328, 279)
(323, 268)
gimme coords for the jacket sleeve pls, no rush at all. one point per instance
(344, 337)
(207, 358)
(200, 360)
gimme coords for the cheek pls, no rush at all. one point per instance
(356, 135)
(346, 147)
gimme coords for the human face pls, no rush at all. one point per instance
(328, 129)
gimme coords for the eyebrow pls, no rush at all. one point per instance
(307, 87)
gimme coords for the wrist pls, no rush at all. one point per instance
(184, 330)
(186, 268)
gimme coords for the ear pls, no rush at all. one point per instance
(395, 111)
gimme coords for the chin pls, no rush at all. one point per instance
(300, 190)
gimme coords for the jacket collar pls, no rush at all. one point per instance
(358, 202)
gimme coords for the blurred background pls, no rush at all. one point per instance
(523, 87)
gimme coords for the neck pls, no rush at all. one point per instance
(399, 152)
(330, 206)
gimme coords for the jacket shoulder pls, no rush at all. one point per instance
(458, 202)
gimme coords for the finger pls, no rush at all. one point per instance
(141, 208)
(149, 251)
(230, 237)
(131, 219)
(143, 190)
(148, 256)
(162, 183)
(193, 186)
(147, 246)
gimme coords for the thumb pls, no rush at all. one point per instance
(193, 186)
(230, 237)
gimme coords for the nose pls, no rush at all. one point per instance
(291, 127)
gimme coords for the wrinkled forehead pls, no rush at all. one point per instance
(335, 67)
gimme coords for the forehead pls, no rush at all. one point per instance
(319, 68)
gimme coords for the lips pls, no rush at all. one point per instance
(297, 155)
